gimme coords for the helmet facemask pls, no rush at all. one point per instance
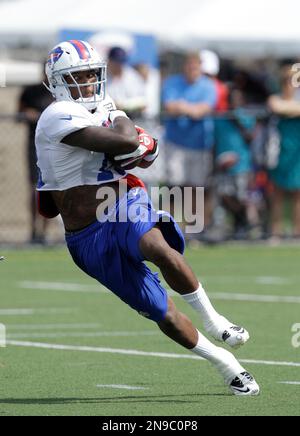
(59, 79)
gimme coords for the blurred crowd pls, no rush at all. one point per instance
(232, 131)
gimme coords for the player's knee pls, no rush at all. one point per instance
(156, 313)
(160, 312)
(171, 316)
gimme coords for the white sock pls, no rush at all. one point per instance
(201, 303)
(221, 359)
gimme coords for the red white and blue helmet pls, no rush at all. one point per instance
(67, 58)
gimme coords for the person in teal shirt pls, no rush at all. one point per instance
(234, 134)
(286, 174)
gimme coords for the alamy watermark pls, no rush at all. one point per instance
(135, 205)
(296, 336)
(2, 335)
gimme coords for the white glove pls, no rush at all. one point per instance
(147, 145)
(142, 149)
(152, 156)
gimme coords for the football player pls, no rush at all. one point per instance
(84, 143)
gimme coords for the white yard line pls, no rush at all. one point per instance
(29, 311)
(296, 383)
(230, 296)
(9, 312)
(261, 280)
(254, 298)
(80, 334)
(130, 388)
(137, 353)
(51, 326)
(62, 287)
(277, 281)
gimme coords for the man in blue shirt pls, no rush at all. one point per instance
(188, 100)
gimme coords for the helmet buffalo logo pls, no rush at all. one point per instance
(54, 56)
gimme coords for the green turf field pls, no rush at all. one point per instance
(45, 299)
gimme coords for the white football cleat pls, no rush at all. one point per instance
(224, 331)
(244, 385)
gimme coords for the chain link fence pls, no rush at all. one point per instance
(15, 187)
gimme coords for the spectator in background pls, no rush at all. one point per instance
(234, 134)
(188, 100)
(253, 86)
(151, 79)
(286, 174)
(149, 119)
(33, 101)
(210, 66)
(125, 85)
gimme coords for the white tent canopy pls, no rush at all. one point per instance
(257, 19)
(261, 26)
(35, 17)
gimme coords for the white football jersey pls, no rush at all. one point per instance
(63, 166)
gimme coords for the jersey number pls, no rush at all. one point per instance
(105, 174)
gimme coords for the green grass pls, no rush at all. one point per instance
(37, 381)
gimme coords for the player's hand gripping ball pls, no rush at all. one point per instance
(148, 146)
